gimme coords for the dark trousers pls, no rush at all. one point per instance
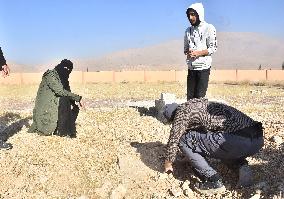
(197, 83)
(228, 147)
(66, 118)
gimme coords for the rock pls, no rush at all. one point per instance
(185, 185)
(218, 100)
(189, 193)
(176, 192)
(256, 196)
(262, 186)
(168, 98)
(277, 139)
(119, 192)
(104, 190)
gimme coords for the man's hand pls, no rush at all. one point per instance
(194, 54)
(5, 71)
(168, 167)
(191, 54)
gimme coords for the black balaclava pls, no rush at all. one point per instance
(64, 69)
(196, 14)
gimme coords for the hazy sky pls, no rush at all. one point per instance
(37, 31)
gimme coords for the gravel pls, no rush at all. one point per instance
(119, 150)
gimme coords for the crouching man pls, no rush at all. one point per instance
(56, 107)
(203, 129)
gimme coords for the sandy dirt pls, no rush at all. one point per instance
(119, 151)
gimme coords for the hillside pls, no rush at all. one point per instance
(242, 50)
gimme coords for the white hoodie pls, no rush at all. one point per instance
(200, 37)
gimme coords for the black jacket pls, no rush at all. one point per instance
(2, 59)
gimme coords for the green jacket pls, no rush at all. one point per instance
(45, 113)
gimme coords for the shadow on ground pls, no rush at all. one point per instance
(151, 111)
(269, 177)
(9, 129)
(151, 154)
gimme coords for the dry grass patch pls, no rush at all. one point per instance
(119, 150)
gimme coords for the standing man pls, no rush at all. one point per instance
(5, 72)
(200, 43)
(53, 113)
(201, 129)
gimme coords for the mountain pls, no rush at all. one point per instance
(236, 50)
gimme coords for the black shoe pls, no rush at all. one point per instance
(235, 164)
(5, 145)
(245, 176)
(209, 187)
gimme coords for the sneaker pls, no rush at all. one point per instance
(210, 187)
(245, 176)
(5, 145)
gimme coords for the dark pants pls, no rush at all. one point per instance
(228, 147)
(197, 83)
(66, 118)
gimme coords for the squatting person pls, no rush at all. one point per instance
(201, 128)
(56, 107)
(200, 43)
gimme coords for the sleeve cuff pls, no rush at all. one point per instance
(210, 51)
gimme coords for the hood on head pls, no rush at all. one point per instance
(198, 7)
(167, 113)
(64, 69)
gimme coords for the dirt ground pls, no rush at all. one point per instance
(119, 149)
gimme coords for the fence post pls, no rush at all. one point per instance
(236, 75)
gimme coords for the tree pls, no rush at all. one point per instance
(283, 65)
(259, 68)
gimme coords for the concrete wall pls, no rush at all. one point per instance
(149, 76)
(156, 76)
(251, 75)
(129, 76)
(14, 78)
(30, 78)
(223, 75)
(275, 75)
(95, 77)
